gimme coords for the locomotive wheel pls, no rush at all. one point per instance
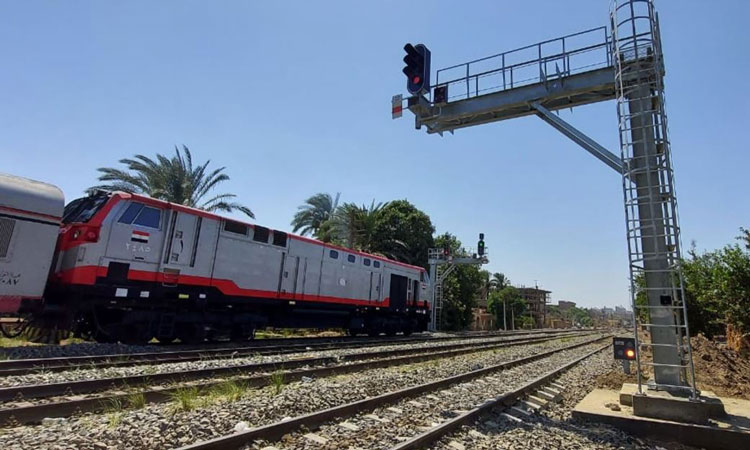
(44, 335)
(191, 334)
(135, 335)
(241, 333)
(14, 327)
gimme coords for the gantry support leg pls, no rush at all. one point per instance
(579, 137)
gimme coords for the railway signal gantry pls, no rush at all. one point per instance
(623, 62)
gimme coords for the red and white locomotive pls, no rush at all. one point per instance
(128, 267)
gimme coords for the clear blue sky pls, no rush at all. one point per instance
(294, 98)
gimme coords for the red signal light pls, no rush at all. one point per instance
(416, 79)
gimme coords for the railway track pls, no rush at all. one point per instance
(18, 367)
(78, 396)
(419, 397)
(542, 385)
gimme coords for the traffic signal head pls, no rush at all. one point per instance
(480, 245)
(624, 348)
(417, 69)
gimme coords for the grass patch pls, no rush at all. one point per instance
(184, 399)
(230, 390)
(277, 382)
(114, 419)
(72, 340)
(136, 400)
(15, 342)
(113, 408)
(113, 405)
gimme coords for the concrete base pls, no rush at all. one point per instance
(731, 432)
(669, 406)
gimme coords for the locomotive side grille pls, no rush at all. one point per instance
(6, 232)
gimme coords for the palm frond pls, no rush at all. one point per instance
(174, 179)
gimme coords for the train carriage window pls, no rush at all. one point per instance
(148, 217)
(261, 234)
(351, 258)
(366, 262)
(376, 264)
(130, 213)
(333, 254)
(235, 227)
(279, 238)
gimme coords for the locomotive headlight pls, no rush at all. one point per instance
(76, 234)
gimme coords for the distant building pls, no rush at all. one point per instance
(565, 305)
(537, 300)
(608, 317)
(482, 320)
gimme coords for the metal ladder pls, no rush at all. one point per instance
(442, 275)
(650, 201)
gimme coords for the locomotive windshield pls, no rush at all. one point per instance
(81, 210)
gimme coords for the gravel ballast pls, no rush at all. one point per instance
(390, 425)
(162, 426)
(88, 373)
(553, 428)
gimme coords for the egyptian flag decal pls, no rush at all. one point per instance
(139, 236)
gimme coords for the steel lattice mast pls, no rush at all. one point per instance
(653, 231)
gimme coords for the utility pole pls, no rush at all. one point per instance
(505, 321)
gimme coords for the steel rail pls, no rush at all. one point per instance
(87, 386)
(36, 412)
(504, 401)
(57, 364)
(276, 430)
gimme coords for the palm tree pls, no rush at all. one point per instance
(314, 213)
(499, 281)
(359, 228)
(345, 224)
(356, 226)
(172, 179)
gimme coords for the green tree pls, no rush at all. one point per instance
(499, 281)
(316, 210)
(356, 227)
(579, 316)
(172, 179)
(704, 301)
(486, 285)
(509, 298)
(717, 285)
(404, 233)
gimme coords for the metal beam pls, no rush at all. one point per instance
(579, 137)
(567, 92)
